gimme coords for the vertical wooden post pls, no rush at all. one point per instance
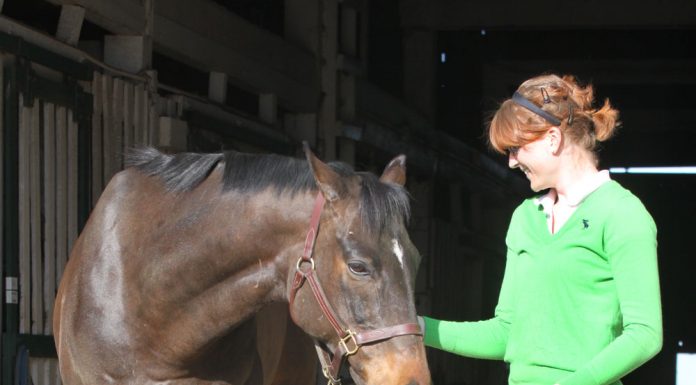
(268, 108)
(24, 218)
(217, 87)
(49, 193)
(61, 188)
(36, 318)
(97, 135)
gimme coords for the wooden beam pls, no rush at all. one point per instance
(254, 59)
(125, 17)
(129, 53)
(216, 40)
(70, 24)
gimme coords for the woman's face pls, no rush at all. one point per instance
(537, 161)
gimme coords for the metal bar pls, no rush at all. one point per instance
(38, 346)
(10, 213)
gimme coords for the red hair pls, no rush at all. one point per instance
(514, 125)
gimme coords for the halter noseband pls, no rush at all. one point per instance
(349, 341)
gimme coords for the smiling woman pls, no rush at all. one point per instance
(580, 299)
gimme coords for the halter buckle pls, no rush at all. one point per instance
(344, 343)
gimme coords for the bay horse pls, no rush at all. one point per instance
(223, 268)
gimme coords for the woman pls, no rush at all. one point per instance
(580, 298)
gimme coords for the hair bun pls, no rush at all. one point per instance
(605, 121)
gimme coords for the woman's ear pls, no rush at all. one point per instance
(555, 138)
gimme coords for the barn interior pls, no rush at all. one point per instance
(361, 81)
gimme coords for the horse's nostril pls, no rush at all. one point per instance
(412, 382)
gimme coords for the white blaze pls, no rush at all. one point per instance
(398, 251)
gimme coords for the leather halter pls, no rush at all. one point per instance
(349, 341)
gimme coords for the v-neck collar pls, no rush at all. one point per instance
(575, 197)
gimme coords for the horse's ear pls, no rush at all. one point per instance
(395, 172)
(327, 179)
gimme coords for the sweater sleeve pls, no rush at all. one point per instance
(631, 248)
(483, 339)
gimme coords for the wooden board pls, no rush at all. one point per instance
(49, 202)
(35, 218)
(97, 133)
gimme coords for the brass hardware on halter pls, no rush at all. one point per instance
(331, 363)
(349, 337)
(329, 377)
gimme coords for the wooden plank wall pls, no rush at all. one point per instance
(48, 213)
(123, 116)
(47, 205)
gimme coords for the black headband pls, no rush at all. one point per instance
(526, 103)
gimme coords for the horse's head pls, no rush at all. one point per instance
(366, 265)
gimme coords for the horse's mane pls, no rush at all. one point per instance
(381, 204)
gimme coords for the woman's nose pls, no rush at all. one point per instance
(512, 161)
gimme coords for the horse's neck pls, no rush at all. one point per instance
(239, 258)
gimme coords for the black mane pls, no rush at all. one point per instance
(381, 204)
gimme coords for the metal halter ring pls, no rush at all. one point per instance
(301, 259)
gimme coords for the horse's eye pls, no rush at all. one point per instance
(358, 268)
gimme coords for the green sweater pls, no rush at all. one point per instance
(579, 307)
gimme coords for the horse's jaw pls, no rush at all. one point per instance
(356, 377)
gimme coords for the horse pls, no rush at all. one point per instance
(236, 268)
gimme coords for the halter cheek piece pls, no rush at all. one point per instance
(349, 341)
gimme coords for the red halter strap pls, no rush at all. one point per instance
(348, 341)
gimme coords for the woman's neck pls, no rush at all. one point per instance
(576, 170)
